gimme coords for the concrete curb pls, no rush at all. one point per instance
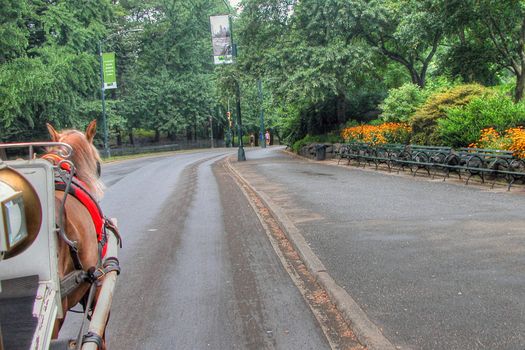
(366, 331)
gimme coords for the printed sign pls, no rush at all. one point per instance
(221, 39)
(109, 70)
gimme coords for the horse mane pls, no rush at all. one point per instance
(85, 158)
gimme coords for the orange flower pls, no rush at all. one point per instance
(380, 134)
(512, 139)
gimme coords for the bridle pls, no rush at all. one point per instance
(66, 165)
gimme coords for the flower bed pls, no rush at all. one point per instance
(512, 139)
(378, 134)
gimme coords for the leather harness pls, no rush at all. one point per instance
(67, 182)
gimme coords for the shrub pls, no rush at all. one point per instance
(402, 102)
(424, 120)
(462, 125)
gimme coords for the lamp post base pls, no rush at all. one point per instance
(240, 154)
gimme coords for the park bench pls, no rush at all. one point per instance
(341, 152)
(498, 163)
(515, 171)
(386, 154)
(478, 162)
(485, 163)
(422, 157)
(353, 151)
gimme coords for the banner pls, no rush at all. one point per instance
(221, 39)
(109, 70)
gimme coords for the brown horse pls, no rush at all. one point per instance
(77, 222)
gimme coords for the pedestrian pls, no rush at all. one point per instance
(267, 137)
(252, 140)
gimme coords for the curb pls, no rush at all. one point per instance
(366, 331)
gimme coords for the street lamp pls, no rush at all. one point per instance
(102, 88)
(241, 156)
(261, 129)
(225, 52)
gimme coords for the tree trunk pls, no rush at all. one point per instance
(520, 72)
(417, 79)
(520, 87)
(341, 108)
(131, 139)
(157, 136)
(119, 138)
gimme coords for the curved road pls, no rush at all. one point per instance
(198, 269)
(434, 265)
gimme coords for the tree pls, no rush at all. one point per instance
(48, 69)
(502, 23)
(408, 32)
(170, 86)
(303, 63)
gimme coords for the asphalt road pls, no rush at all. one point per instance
(435, 265)
(198, 270)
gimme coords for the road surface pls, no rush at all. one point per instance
(435, 265)
(198, 269)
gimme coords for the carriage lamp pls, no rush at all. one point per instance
(13, 226)
(20, 212)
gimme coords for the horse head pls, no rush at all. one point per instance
(85, 156)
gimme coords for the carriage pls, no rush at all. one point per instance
(33, 284)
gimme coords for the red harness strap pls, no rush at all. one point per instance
(78, 190)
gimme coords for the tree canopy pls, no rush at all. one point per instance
(321, 62)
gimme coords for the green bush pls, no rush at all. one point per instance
(462, 125)
(424, 121)
(402, 102)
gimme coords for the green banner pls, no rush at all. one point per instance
(110, 71)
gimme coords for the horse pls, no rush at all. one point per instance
(76, 220)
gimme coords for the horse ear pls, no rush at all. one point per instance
(91, 130)
(54, 134)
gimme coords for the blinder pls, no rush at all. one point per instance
(99, 170)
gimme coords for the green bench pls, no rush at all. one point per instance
(422, 157)
(480, 162)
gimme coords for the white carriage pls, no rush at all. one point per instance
(30, 288)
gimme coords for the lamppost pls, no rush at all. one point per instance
(225, 52)
(261, 130)
(103, 94)
(103, 90)
(210, 119)
(241, 156)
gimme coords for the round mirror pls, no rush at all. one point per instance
(18, 195)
